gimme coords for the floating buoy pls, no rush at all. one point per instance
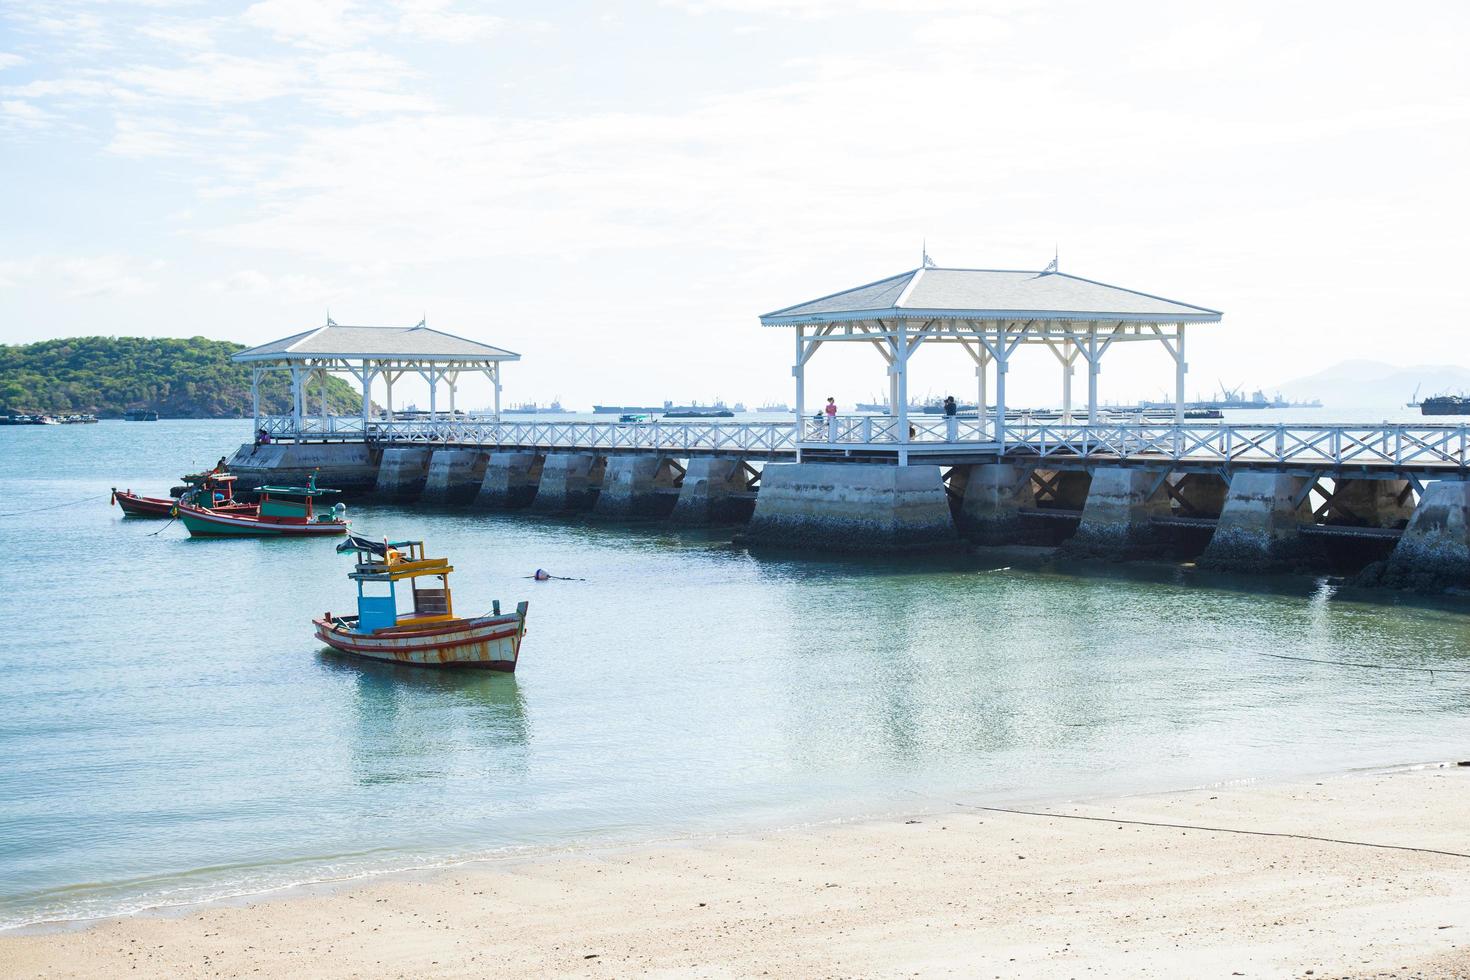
(541, 575)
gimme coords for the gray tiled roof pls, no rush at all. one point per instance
(417, 343)
(983, 294)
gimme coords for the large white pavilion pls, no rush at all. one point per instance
(366, 354)
(989, 313)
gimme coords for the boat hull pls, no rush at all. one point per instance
(487, 643)
(219, 524)
(133, 505)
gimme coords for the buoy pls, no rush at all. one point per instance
(542, 575)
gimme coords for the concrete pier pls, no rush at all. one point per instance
(349, 467)
(852, 507)
(510, 481)
(402, 473)
(637, 486)
(454, 476)
(991, 497)
(569, 482)
(1117, 518)
(1433, 554)
(712, 492)
(1259, 524)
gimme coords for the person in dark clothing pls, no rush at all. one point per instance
(950, 408)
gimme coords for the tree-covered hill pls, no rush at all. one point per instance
(190, 378)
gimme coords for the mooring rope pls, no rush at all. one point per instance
(69, 503)
(1353, 663)
(1215, 830)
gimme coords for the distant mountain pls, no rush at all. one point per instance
(1373, 384)
(176, 378)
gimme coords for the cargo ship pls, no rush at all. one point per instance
(1445, 405)
(531, 408)
(694, 410)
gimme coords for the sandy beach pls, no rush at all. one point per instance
(960, 891)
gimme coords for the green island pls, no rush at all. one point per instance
(188, 378)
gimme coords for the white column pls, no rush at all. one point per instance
(1180, 369)
(367, 396)
(982, 395)
(1092, 369)
(798, 372)
(453, 380)
(901, 365)
(388, 378)
(255, 398)
(1067, 369)
(495, 378)
(1002, 366)
(296, 398)
(433, 395)
(323, 376)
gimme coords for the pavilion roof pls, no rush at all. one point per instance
(991, 294)
(416, 343)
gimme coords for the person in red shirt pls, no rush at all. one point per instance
(831, 408)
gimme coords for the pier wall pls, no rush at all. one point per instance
(637, 486)
(569, 482)
(852, 507)
(402, 473)
(1433, 554)
(1259, 524)
(1117, 518)
(716, 490)
(454, 476)
(990, 498)
(511, 480)
(349, 467)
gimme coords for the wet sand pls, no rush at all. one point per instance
(963, 892)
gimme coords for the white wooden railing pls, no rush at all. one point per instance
(1432, 446)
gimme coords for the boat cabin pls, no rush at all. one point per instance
(398, 586)
(209, 489)
(289, 504)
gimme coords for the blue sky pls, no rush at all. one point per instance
(616, 190)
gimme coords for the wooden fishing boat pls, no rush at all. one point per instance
(425, 633)
(281, 512)
(216, 491)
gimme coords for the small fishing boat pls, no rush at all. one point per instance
(281, 512)
(425, 632)
(216, 491)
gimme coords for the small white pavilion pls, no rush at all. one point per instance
(366, 354)
(989, 313)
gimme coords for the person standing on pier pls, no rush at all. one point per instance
(950, 408)
(831, 408)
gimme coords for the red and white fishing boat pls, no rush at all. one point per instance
(426, 633)
(215, 491)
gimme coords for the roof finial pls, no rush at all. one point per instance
(1052, 265)
(927, 262)
(423, 321)
(330, 321)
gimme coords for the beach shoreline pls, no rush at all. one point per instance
(1137, 889)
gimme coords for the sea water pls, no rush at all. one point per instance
(170, 731)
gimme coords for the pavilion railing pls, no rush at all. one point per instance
(1435, 446)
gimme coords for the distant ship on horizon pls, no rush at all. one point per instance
(694, 410)
(531, 408)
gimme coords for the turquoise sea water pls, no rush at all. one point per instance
(170, 731)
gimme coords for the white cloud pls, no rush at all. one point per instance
(8, 60)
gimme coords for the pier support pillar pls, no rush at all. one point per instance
(349, 467)
(510, 481)
(1117, 518)
(454, 476)
(1259, 524)
(991, 497)
(1371, 503)
(569, 481)
(402, 472)
(637, 486)
(1433, 554)
(854, 507)
(716, 490)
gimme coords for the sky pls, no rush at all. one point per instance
(618, 190)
